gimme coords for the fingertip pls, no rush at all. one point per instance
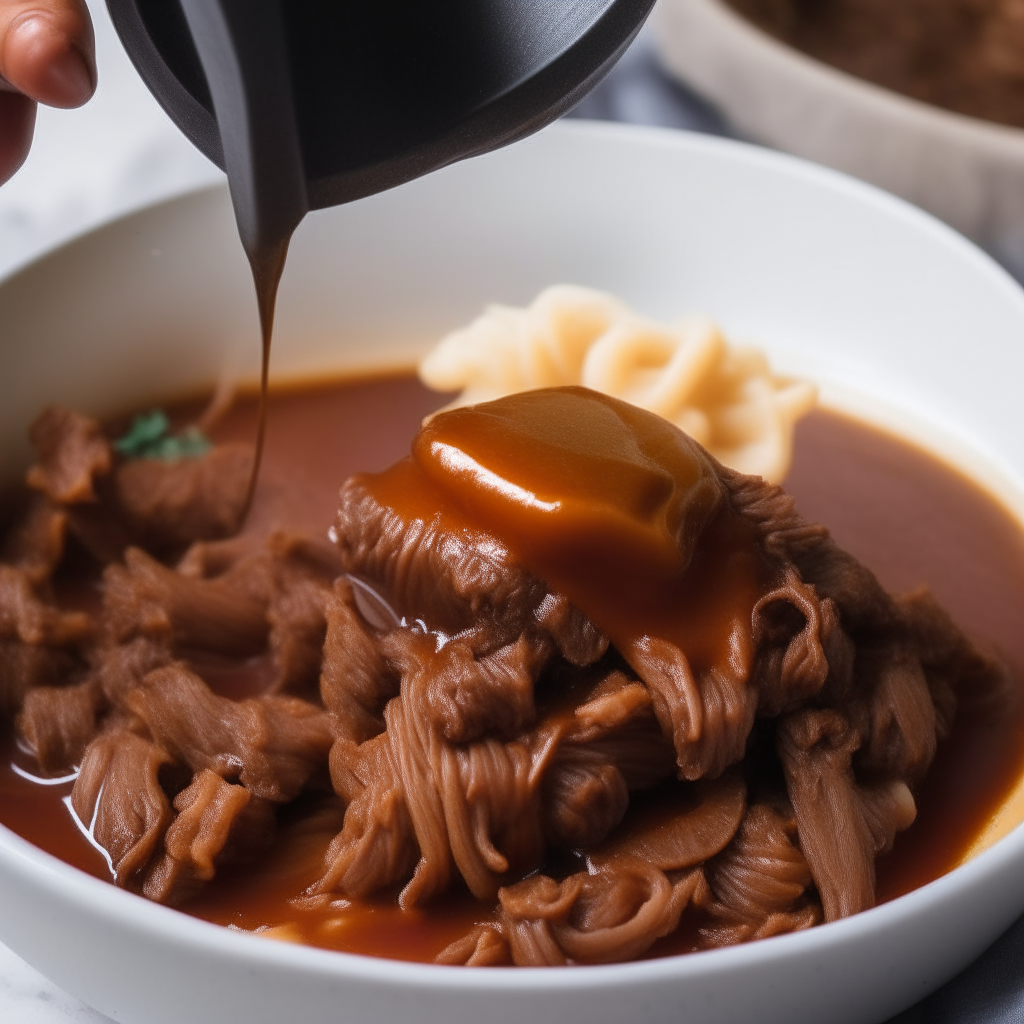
(68, 80)
(43, 59)
(17, 122)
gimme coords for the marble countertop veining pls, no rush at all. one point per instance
(26, 997)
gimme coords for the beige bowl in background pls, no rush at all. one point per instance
(967, 171)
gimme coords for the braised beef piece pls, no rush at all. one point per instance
(71, 454)
(173, 779)
(108, 502)
(458, 582)
(455, 764)
(168, 505)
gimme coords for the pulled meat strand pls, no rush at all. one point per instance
(120, 802)
(759, 885)
(71, 454)
(272, 745)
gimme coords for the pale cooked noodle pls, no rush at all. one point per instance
(725, 398)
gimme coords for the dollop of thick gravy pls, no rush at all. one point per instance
(610, 505)
(922, 524)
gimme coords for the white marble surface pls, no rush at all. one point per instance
(116, 154)
(26, 997)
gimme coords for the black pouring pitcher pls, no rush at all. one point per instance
(310, 103)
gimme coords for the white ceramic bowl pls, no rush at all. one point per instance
(967, 171)
(847, 285)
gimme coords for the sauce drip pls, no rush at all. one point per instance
(610, 515)
(267, 263)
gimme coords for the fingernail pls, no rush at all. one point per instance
(69, 78)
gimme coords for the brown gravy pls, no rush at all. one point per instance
(964, 55)
(906, 515)
(628, 518)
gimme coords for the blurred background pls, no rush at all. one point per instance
(924, 98)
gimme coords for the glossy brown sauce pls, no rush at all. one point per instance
(903, 513)
(266, 261)
(627, 517)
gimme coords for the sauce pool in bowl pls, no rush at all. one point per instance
(906, 515)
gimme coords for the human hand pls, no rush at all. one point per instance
(47, 55)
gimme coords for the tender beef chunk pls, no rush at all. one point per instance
(611, 746)
(463, 582)
(121, 667)
(57, 723)
(283, 589)
(617, 721)
(24, 666)
(71, 453)
(758, 886)
(118, 798)
(585, 796)
(377, 847)
(145, 598)
(35, 544)
(800, 645)
(216, 824)
(470, 697)
(900, 733)
(708, 716)
(816, 749)
(170, 504)
(616, 912)
(304, 573)
(274, 746)
(26, 616)
(356, 680)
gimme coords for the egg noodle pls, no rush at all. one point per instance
(726, 398)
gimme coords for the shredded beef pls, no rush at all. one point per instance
(25, 666)
(119, 800)
(272, 745)
(477, 727)
(34, 620)
(170, 504)
(57, 723)
(758, 886)
(71, 454)
(35, 544)
(856, 686)
(216, 823)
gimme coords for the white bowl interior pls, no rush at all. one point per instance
(891, 312)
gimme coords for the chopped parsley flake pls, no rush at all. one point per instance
(150, 437)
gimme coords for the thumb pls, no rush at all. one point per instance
(47, 50)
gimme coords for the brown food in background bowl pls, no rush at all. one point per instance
(963, 55)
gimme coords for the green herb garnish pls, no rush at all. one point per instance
(150, 437)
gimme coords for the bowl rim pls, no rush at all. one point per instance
(137, 915)
(126, 910)
(818, 73)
